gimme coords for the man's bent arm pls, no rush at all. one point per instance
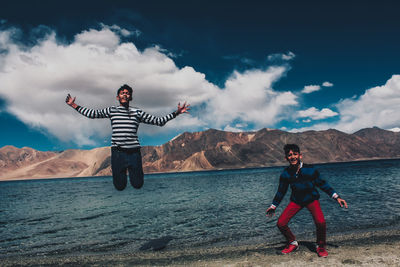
(324, 185)
(282, 189)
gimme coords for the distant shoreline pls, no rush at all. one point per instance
(195, 171)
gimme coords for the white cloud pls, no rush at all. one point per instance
(247, 61)
(123, 32)
(229, 128)
(100, 39)
(316, 114)
(35, 81)
(314, 88)
(288, 56)
(249, 97)
(279, 56)
(327, 84)
(239, 127)
(378, 106)
(396, 129)
(311, 88)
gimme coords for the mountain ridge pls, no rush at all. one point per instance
(207, 150)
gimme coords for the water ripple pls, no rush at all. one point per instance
(95, 216)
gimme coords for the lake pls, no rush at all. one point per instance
(177, 210)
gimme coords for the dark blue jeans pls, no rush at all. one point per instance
(123, 160)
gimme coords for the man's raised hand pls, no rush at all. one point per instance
(71, 101)
(182, 109)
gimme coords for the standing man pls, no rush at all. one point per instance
(125, 147)
(303, 180)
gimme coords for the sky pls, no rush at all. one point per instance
(241, 65)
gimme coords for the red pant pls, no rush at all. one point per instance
(317, 214)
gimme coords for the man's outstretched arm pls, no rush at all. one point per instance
(161, 121)
(90, 113)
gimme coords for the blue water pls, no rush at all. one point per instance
(198, 209)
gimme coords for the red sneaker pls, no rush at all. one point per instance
(321, 251)
(290, 248)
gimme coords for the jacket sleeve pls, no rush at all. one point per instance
(150, 119)
(93, 113)
(323, 184)
(282, 189)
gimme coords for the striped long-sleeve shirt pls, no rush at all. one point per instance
(125, 123)
(303, 185)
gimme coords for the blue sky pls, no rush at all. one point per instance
(243, 66)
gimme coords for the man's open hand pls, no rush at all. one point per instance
(71, 101)
(182, 109)
(270, 212)
(342, 202)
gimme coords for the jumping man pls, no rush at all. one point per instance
(125, 147)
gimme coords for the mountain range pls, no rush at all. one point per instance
(207, 150)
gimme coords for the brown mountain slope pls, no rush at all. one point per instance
(211, 149)
(70, 163)
(264, 148)
(12, 158)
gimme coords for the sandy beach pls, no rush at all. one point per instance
(372, 248)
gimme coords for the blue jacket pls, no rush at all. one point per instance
(304, 185)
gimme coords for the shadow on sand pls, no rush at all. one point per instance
(311, 246)
(156, 244)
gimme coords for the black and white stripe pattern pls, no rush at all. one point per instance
(125, 123)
